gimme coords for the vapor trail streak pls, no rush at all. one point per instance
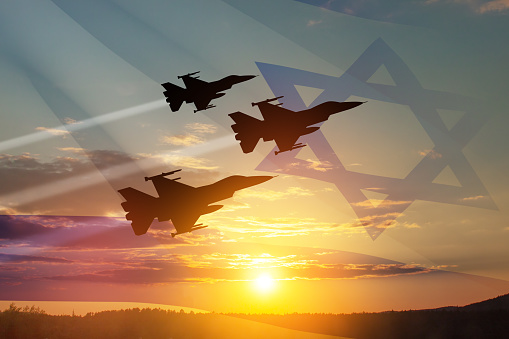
(102, 119)
(93, 177)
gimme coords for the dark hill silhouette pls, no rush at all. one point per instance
(500, 303)
(29, 323)
(495, 304)
(486, 319)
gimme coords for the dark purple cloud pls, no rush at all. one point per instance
(18, 258)
(174, 272)
(19, 227)
(427, 13)
(74, 232)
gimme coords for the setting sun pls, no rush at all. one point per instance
(265, 283)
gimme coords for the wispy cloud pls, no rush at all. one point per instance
(494, 6)
(271, 195)
(430, 153)
(201, 128)
(73, 150)
(70, 121)
(195, 135)
(311, 164)
(54, 131)
(257, 227)
(379, 220)
(477, 6)
(312, 23)
(182, 139)
(477, 197)
(187, 161)
(319, 165)
(17, 258)
(165, 273)
(380, 203)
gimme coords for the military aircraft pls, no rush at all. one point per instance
(181, 203)
(198, 91)
(282, 125)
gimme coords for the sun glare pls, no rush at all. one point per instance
(265, 283)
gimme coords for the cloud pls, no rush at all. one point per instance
(310, 164)
(478, 197)
(63, 185)
(110, 158)
(20, 227)
(16, 258)
(494, 6)
(379, 220)
(73, 150)
(182, 140)
(194, 136)
(271, 195)
(71, 121)
(73, 232)
(72, 185)
(312, 23)
(158, 272)
(381, 203)
(319, 165)
(54, 131)
(208, 263)
(477, 6)
(242, 265)
(450, 15)
(186, 161)
(430, 153)
(278, 227)
(201, 128)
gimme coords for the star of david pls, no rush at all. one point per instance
(424, 103)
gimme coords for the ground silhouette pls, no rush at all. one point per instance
(487, 319)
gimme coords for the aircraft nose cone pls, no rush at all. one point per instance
(242, 78)
(356, 103)
(261, 178)
(255, 180)
(240, 181)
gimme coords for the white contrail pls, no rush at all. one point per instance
(102, 119)
(93, 177)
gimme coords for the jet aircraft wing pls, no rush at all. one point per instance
(140, 208)
(192, 82)
(202, 103)
(141, 223)
(184, 221)
(285, 142)
(172, 189)
(272, 112)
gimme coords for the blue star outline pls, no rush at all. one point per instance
(418, 184)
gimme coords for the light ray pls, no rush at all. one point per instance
(102, 119)
(93, 177)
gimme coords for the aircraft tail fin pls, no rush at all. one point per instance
(140, 209)
(247, 129)
(174, 95)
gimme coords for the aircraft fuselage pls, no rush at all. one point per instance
(299, 122)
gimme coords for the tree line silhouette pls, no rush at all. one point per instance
(425, 324)
(32, 322)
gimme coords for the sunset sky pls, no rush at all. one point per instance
(400, 203)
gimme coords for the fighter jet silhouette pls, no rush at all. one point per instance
(282, 125)
(198, 91)
(181, 203)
